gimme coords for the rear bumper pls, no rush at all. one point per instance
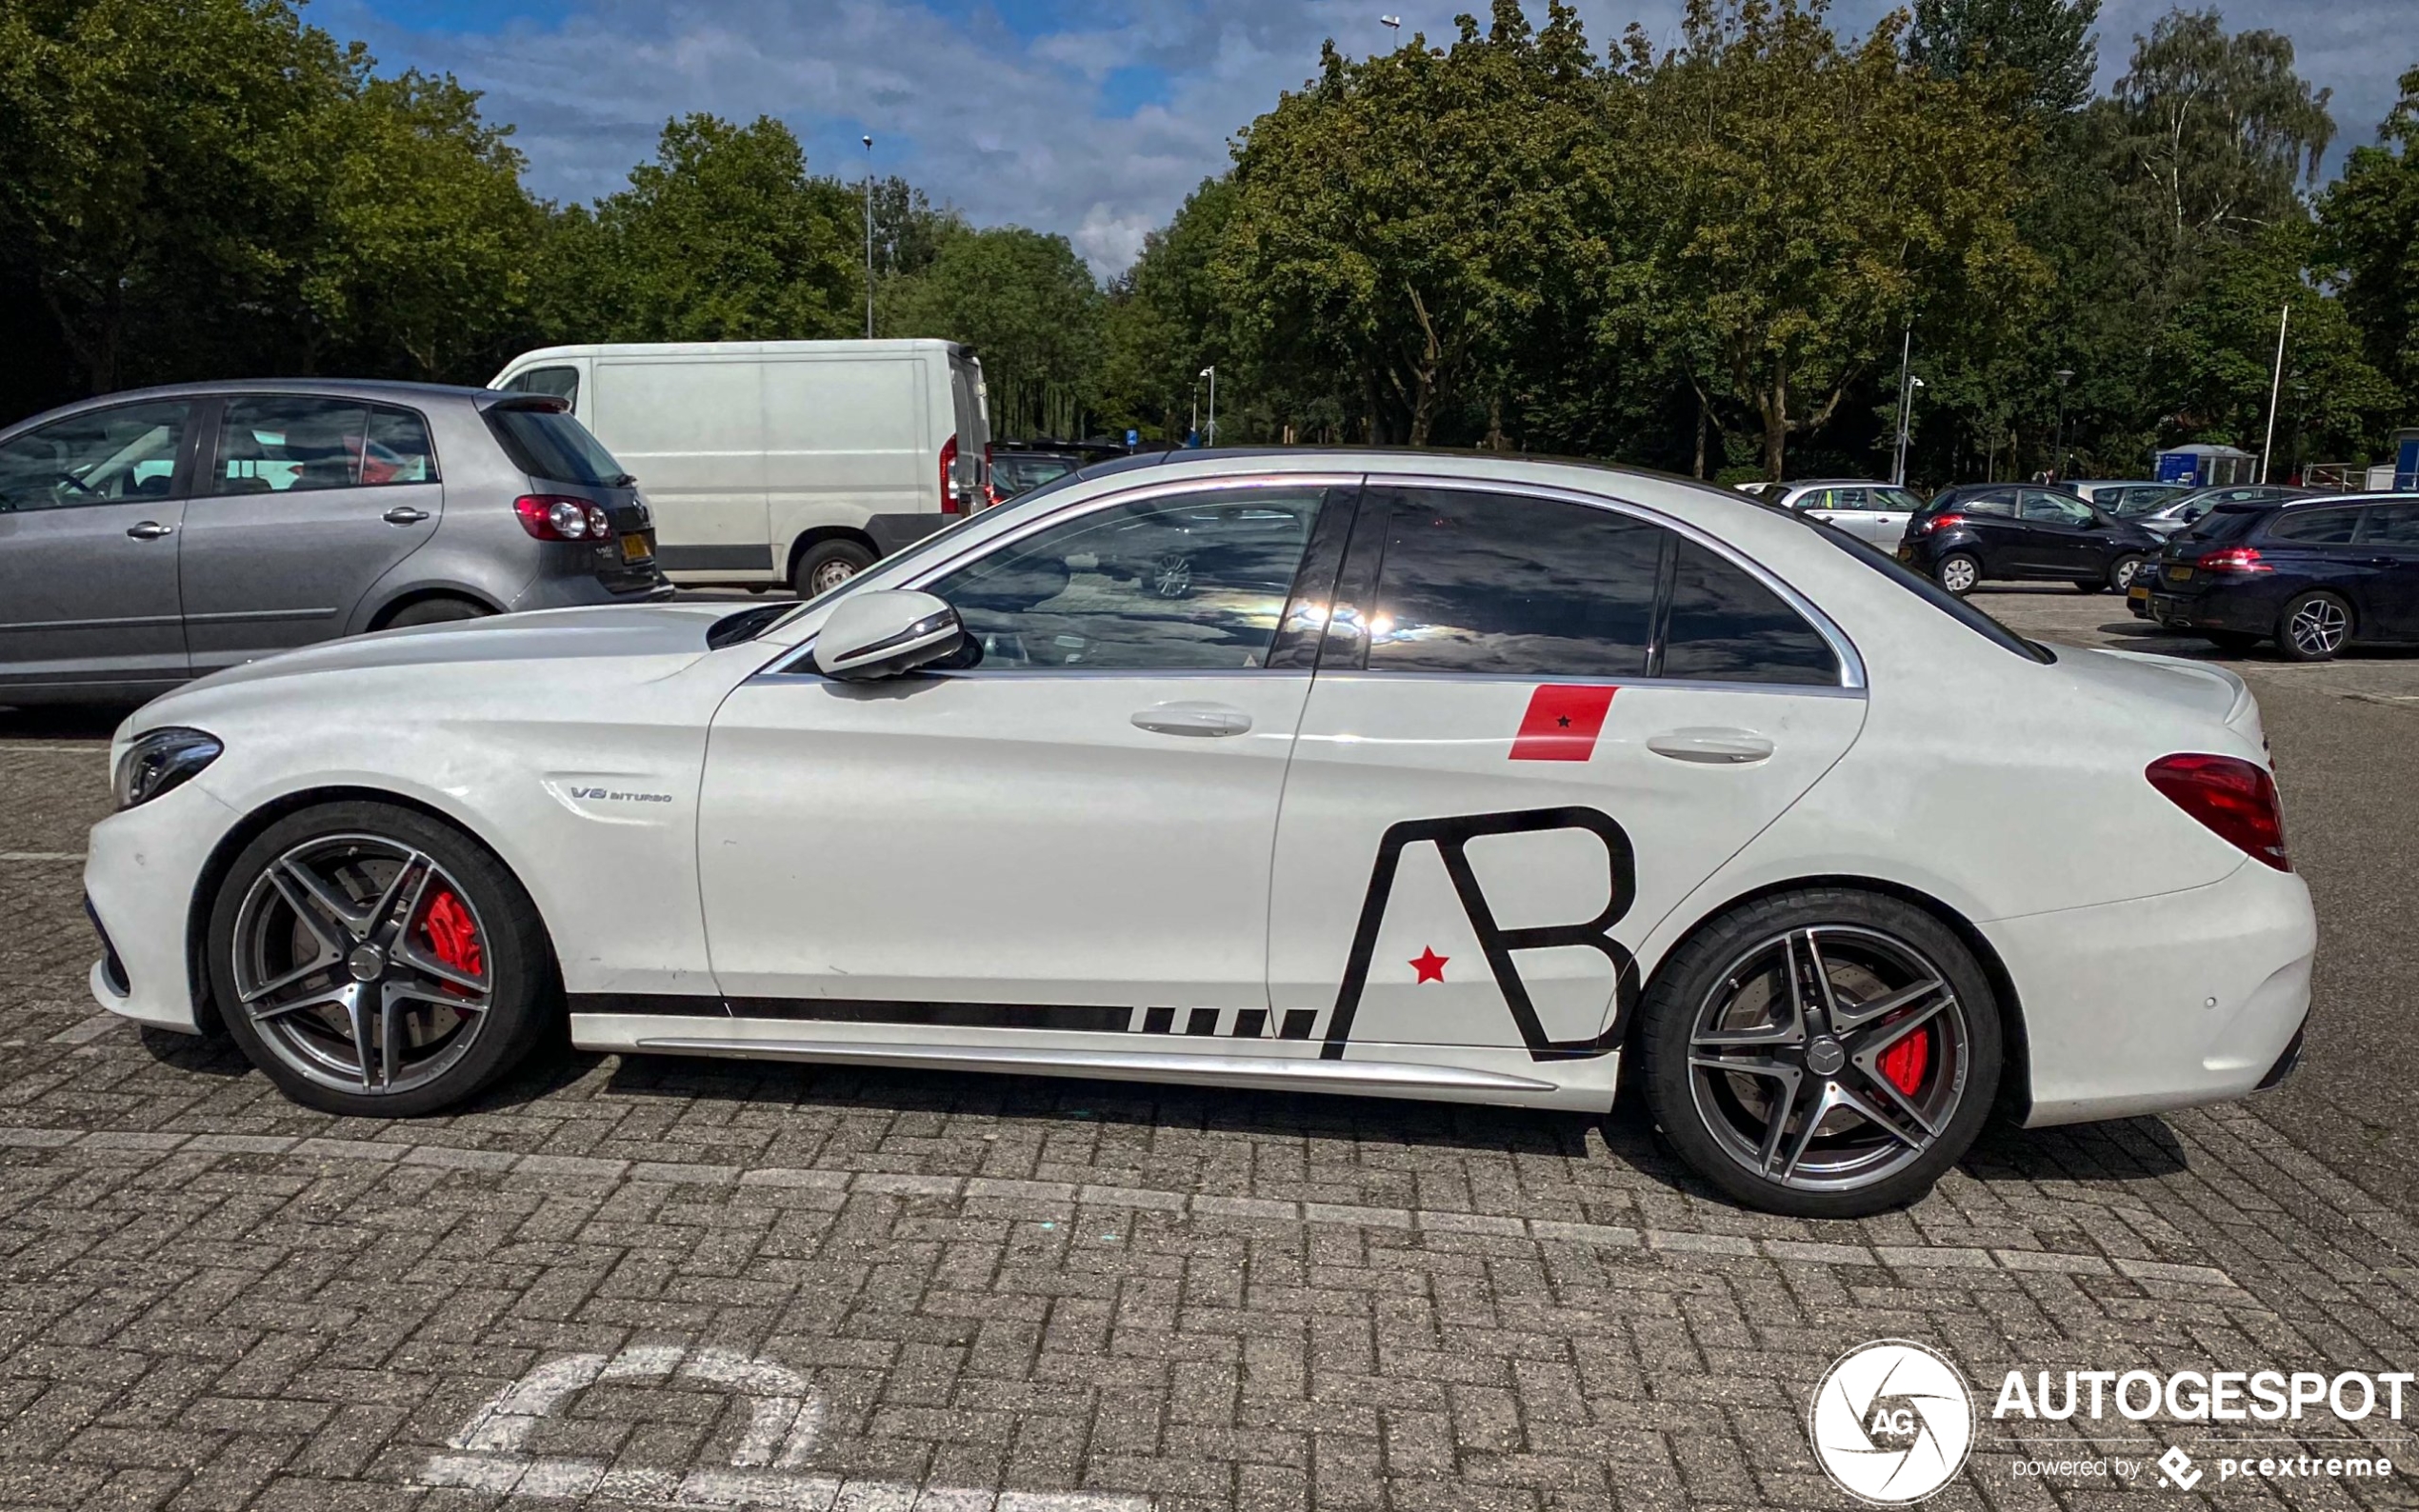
(581, 590)
(2245, 608)
(893, 532)
(2162, 1002)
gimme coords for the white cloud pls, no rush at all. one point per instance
(1010, 128)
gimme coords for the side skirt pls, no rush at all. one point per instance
(1505, 1076)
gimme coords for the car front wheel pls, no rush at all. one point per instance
(1958, 573)
(2122, 572)
(374, 961)
(1824, 1053)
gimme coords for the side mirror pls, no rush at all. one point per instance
(882, 634)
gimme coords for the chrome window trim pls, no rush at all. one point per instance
(1851, 678)
(1851, 665)
(1684, 685)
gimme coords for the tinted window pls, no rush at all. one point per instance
(1997, 501)
(1895, 499)
(1198, 581)
(1013, 472)
(2316, 527)
(557, 383)
(2222, 524)
(2043, 508)
(293, 445)
(1724, 626)
(104, 456)
(1492, 584)
(2393, 525)
(550, 444)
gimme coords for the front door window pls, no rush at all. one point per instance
(102, 456)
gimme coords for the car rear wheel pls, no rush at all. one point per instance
(1824, 1053)
(2314, 628)
(436, 611)
(1958, 573)
(828, 564)
(373, 962)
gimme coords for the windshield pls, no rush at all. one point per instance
(546, 443)
(2132, 503)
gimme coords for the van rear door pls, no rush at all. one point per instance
(970, 406)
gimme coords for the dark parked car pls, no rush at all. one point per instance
(2314, 575)
(2022, 531)
(1020, 467)
(146, 538)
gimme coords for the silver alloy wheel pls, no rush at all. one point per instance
(830, 575)
(2126, 571)
(1171, 575)
(1957, 574)
(1787, 1057)
(340, 964)
(2319, 626)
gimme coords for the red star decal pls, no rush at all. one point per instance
(1430, 965)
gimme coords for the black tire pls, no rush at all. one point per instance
(827, 564)
(1958, 567)
(436, 611)
(516, 962)
(1709, 974)
(2234, 642)
(2122, 572)
(2314, 626)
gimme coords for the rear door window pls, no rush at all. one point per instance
(2394, 524)
(1724, 626)
(2316, 527)
(292, 444)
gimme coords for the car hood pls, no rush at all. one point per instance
(626, 632)
(2211, 692)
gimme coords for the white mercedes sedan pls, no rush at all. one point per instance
(1424, 776)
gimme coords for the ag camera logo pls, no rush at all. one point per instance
(1893, 1422)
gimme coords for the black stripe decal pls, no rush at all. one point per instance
(655, 1005)
(1079, 1018)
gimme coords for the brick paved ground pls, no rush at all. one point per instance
(780, 1287)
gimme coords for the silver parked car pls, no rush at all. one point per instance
(2129, 498)
(1865, 510)
(2187, 507)
(150, 537)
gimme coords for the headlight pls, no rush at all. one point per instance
(159, 760)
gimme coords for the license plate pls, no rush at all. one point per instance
(2138, 595)
(2179, 574)
(637, 547)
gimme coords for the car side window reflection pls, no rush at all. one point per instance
(278, 445)
(104, 456)
(1197, 581)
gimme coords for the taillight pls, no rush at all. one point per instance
(1943, 522)
(948, 476)
(2234, 798)
(2232, 559)
(991, 490)
(555, 517)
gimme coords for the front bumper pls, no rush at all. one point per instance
(2161, 1002)
(140, 871)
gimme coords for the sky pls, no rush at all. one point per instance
(1093, 118)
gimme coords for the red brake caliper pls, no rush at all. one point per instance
(455, 939)
(1906, 1062)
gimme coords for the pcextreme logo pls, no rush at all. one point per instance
(1892, 1422)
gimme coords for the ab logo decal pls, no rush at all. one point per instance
(1451, 837)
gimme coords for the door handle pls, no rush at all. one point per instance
(150, 530)
(1716, 747)
(2381, 561)
(1192, 719)
(404, 514)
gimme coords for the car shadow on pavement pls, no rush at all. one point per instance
(2099, 1154)
(66, 722)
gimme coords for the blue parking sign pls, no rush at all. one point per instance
(1133, 439)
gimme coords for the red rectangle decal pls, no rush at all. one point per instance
(1562, 722)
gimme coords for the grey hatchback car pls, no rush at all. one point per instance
(155, 536)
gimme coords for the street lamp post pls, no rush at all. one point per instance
(2059, 472)
(1898, 460)
(869, 238)
(1209, 438)
(1393, 24)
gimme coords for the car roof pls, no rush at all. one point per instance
(391, 390)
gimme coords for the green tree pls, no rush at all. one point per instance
(2370, 222)
(724, 237)
(1166, 319)
(1816, 202)
(1031, 309)
(2048, 41)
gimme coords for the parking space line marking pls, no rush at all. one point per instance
(100, 745)
(992, 1198)
(41, 855)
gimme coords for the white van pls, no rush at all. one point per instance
(796, 462)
